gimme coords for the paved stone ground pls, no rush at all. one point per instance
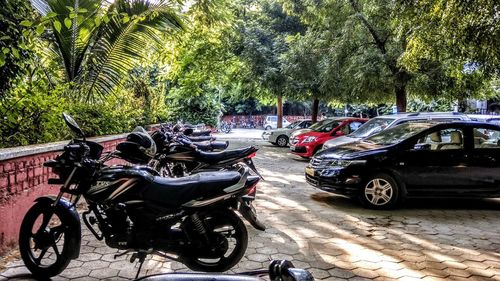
(333, 237)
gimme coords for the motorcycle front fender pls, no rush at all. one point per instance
(72, 218)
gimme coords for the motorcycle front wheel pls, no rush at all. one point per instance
(43, 240)
(230, 234)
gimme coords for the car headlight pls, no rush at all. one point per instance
(345, 163)
(309, 139)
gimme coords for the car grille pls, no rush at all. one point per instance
(317, 163)
(312, 180)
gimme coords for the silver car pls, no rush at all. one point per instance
(380, 123)
(494, 119)
(281, 136)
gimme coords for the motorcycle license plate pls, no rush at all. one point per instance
(310, 171)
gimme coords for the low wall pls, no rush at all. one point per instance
(258, 120)
(23, 178)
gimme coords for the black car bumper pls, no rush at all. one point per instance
(339, 183)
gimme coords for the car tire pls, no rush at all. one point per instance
(282, 141)
(381, 191)
(267, 128)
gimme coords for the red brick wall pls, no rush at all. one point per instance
(22, 180)
(258, 119)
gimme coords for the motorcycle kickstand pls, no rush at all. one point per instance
(141, 256)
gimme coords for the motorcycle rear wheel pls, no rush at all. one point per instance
(228, 224)
(45, 252)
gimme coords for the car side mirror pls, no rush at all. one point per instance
(338, 133)
(422, 146)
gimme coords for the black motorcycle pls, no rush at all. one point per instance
(178, 156)
(191, 220)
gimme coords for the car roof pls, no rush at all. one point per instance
(421, 114)
(457, 123)
(342, 118)
(480, 117)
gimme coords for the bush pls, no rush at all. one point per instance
(31, 116)
(194, 110)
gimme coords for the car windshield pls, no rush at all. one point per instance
(293, 125)
(319, 124)
(371, 127)
(397, 134)
(327, 126)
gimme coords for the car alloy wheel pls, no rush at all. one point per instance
(282, 141)
(380, 192)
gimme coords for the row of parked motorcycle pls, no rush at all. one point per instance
(176, 195)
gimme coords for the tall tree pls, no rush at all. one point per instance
(263, 29)
(303, 64)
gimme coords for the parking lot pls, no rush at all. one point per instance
(333, 237)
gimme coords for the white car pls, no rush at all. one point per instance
(281, 136)
(271, 122)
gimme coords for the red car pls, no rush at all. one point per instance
(307, 144)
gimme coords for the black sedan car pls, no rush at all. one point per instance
(459, 159)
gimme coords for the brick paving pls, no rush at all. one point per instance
(333, 237)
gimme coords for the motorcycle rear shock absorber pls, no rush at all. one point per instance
(200, 228)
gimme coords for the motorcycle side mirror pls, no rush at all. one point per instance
(188, 131)
(71, 123)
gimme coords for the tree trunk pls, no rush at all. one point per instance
(315, 108)
(401, 98)
(279, 109)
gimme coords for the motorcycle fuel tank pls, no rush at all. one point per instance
(118, 183)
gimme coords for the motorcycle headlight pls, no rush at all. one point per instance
(309, 139)
(345, 163)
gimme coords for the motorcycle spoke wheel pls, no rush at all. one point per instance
(42, 241)
(230, 235)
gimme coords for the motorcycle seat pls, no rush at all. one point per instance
(177, 191)
(211, 145)
(200, 138)
(226, 155)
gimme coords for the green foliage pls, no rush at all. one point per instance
(31, 114)
(261, 43)
(452, 29)
(100, 43)
(113, 115)
(14, 53)
(194, 110)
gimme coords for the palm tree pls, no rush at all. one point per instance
(98, 41)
